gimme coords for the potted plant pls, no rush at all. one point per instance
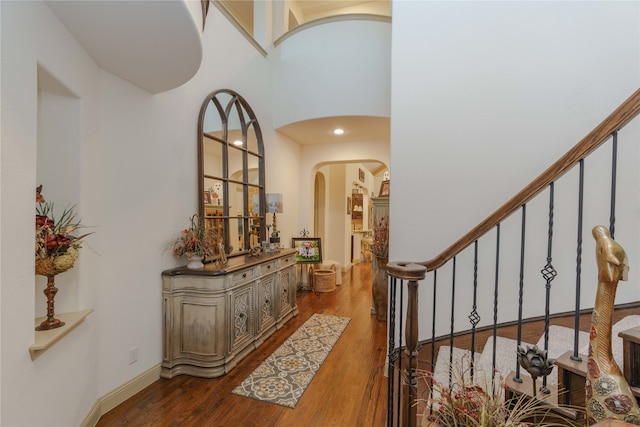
(196, 242)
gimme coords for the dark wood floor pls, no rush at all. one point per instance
(348, 391)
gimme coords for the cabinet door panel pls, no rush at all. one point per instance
(242, 319)
(266, 302)
(201, 327)
(287, 289)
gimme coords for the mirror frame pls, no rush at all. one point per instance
(239, 106)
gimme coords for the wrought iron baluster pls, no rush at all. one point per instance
(400, 328)
(495, 308)
(549, 273)
(576, 327)
(412, 348)
(433, 331)
(433, 320)
(521, 286)
(614, 172)
(474, 317)
(453, 304)
(392, 352)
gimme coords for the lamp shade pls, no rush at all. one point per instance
(274, 202)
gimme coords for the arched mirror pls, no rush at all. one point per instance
(231, 171)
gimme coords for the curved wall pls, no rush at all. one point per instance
(338, 68)
(157, 45)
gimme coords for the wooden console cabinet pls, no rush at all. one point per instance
(214, 318)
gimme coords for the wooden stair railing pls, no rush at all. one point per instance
(616, 120)
(415, 271)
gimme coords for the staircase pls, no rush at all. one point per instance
(464, 295)
(567, 381)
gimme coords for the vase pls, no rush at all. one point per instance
(380, 288)
(195, 262)
(49, 267)
(51, 322)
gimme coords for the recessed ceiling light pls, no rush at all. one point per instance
(338, 131)
(237, 142)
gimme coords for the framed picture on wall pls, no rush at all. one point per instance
(348, 205)
(207, 198)
(308, 249)
(361, 174)
(384, 189)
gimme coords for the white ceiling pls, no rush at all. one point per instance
(312, 7)
(356, 129)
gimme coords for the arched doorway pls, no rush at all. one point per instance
(342, 206)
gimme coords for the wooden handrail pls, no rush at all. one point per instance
(626, 112)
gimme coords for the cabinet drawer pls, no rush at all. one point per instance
(244, 275)
(268, 267)
(287, 261)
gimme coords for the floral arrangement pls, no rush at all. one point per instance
(56, 249)
(380, 246)
(467, 404)
(195, 240)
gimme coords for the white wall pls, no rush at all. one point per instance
(487, 95)
(137, 187)
(32, 37)
(325, 53)
(336, 237)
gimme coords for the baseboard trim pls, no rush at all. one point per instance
(120, 394)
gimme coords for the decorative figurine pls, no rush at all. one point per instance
(255, 251)
(607, 391)
(534, 360)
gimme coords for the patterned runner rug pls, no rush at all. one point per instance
(286, 373)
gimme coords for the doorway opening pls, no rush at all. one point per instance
(342, 208)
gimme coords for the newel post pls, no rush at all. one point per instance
(412, 273)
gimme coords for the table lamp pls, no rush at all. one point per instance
(274, 206)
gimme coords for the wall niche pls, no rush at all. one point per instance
(58, 170)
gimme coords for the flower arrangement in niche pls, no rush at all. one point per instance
(196, 240)
(56, 248)
(380, 245)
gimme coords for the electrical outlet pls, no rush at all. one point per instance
(133, 355)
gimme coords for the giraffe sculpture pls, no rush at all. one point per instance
(607, 391)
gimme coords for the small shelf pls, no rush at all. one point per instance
(46, 339)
